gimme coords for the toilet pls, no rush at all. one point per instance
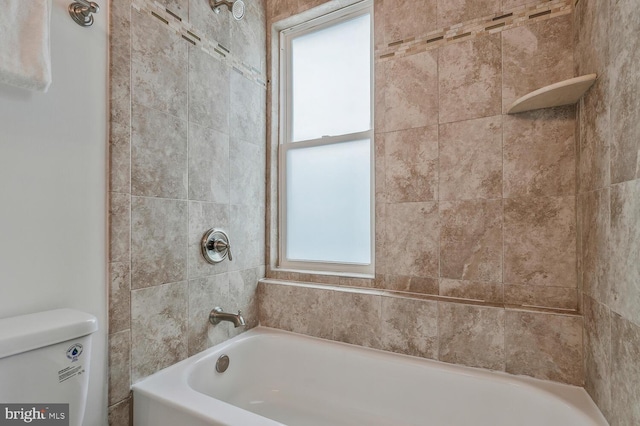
(44, 359)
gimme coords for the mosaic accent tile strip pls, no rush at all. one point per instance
(193, 36)
(490, 24)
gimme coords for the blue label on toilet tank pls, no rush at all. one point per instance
(34, 414)
(74, 352)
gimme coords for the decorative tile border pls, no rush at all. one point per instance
(491, 24)
(192, 35)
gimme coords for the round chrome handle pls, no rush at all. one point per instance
(216, 246)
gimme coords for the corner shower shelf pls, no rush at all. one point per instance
(566, 92)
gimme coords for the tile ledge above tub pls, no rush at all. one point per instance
(416, 296)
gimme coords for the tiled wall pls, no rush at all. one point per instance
(475, 215)
(606, 34)
(187, 149)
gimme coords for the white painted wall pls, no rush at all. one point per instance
(53, 159)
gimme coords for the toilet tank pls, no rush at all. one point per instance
(44, 359)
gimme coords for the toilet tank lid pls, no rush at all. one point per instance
(27, 332)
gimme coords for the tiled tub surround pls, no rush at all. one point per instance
(470, 203)
(606, 43)
(187, 150)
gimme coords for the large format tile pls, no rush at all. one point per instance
(159, 326)
(400, 18)
(121, 414)
(451, 12)
(473, 290)
(624, 250)
(594, 147)
(202, 217)
(597, 353)
(306, 312)
(540, 153)
(410, 326)
(540, 241)
(208, 165)
(246, 231)
(119, 227)
(119, 366)
(469, 75)
(213, 26)
(119, 297)
(248, 36)
(535, 56)
(243, 295)
(159, 164)
(624, 88)
(209, 98)
(410, 86)
(408, 284)
(545, 346)
(594, 220)
(247, 119)
(411, 164)
(541, 296)
(158, 66)
(471, 240)
(246, 173)
(357, 319)
(204, 295)
(411, 243)
(158, 241)
(470, 159)
(625, 371)
(471, 335)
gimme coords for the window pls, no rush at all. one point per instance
(326, 143)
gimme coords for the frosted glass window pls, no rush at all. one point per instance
(329, 203)
(331, 80)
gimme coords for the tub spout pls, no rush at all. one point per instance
(217, 315)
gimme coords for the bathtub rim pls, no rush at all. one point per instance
(192, 401)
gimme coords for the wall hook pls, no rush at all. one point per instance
(82, 12)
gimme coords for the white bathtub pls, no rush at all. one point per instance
(281, 378)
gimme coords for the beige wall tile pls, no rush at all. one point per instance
(415, 228)
(247, 162)
(209, 96)
(202, 217)
(411, 164)
(624, 88)
(246, 231)
(594, 147)
(410, 327)
(471, 335)
(209, 165)
(542, 296)
(471, 240)
(119, 297)
(121, 414)
(158, 172)
(624, 252)
(204, 295)
(410, 86)
(625, 370)
(544, 346)
(357, 319)
(119, 227)
(215, 26)
(119, 366)
(158, 66)
(540, 241)
(247, 112)
(159, 324)
(535, 56)
(243, 295)
(594, 240)
(409, 284)
(597, 353)
(452, 12)
(408, 18)
(470, 159)
(469, 78)
(158, 241)
(540, 153)
(474, 290)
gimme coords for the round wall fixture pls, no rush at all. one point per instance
(216, 246)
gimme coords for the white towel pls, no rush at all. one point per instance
(25, 56)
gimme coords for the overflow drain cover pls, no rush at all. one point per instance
(222, 364)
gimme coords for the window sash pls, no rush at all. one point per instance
(286, 143)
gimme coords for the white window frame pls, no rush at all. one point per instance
(285, 129)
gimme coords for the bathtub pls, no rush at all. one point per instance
(280, 378)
